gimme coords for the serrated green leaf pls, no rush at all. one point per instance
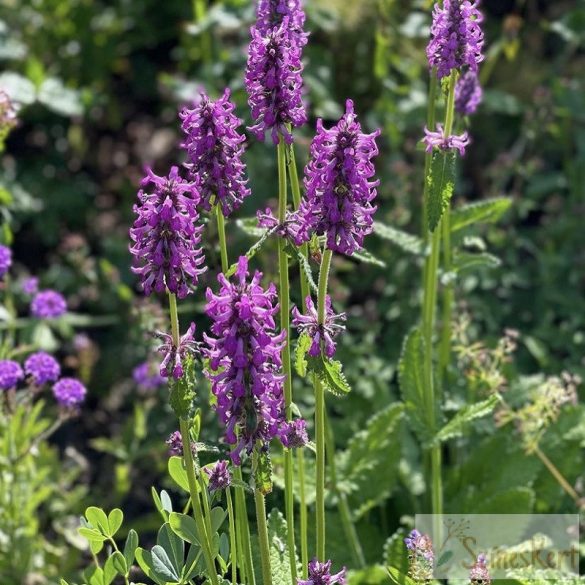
(440, 183)
(302, 347)
(405, 241)
(130, 547)
(305, 267)
(457, 425)
(279, 555)
(486, 211)
(263, 473)
(249, 225)
(411, 382)
(395, 553)
(399, 578)
(519, 500)
(369, 465)
(368, 258)
(185, 527)
(178, 473)
(464, 260)
(254, 249)
(183, 390)
(330, 373)
(115, 519)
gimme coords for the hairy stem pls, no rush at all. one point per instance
(233, 549)
(222, 240)
(263, 537)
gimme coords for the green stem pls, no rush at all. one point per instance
(244, 530)
(197, 510)
(320, 413)
(303, 515)
(342, 505)
(263, 537)
(222, 238)
(284, 303)
(232, 525)
(204, 497)
(431, 120)
(448, 291)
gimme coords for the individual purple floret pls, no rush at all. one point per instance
(219, 476)
(421, 557)
(339, 192)
(175, 444)
(322, 336)
(69, 392)
(438, 140)
(172, 363)
(456, 36)
(10, 374)
(245, 364)
(30, 286)
(288, 229)
(147, 377)
(42, 368)
(468, 93)
(479, 573)
(165, 238)
(48, 304)
(214, 148)
(274, 83)
(320, 574)
(5, 260)
(271, 13)
(293, 434)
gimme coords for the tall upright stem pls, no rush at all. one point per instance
(242, 524)
(284, 304)
(263, 536)
(232, 524)
(320, 413)
(448, 290)
(431, 111)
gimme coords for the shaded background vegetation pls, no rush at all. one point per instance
(100, 84)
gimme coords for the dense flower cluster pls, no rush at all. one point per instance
(146, 377)
(322, 336)
(271, 13)
(274, 82)
(421, 557)
(172, 363)
(69, 392)
(165, 238)
(214, 148)
(320, 574)
(42, 368)
(30, 286)
(5, 260)
(468, 93)
(10, 374)
(437, 139)
(339, 192)
(456, 36)
(219, 476)
(245, 360)
(293, 434)
(48, 304)
(479, 573)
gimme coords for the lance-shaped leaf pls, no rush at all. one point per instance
(303, 344)
(279, 555)
(465, 260)
(405, 241)
(368, 258)
(440, 186)
(330, 373)
(486, 211)
(183, 390)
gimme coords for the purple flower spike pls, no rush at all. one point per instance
(289, 229)
(468, 93)
(10, 374)
(219, 476)
(165, 238)
(48, 304)
(438, 140)
(322, 336)
(245, 364)
(147, 377)
(274, 83)
(215, 148)
(456, 36)
(421, 556)
(479, 573)
(338, 203)
(5, 260)
(293, 434)
(172, 364)
(320, 574)
(30, 286)
(42, 368)
(271, 13)
(69, 392)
